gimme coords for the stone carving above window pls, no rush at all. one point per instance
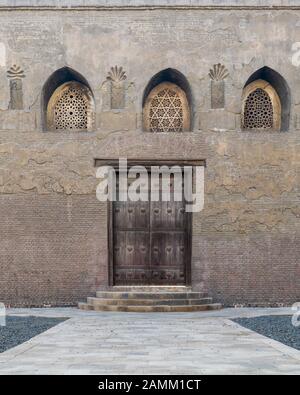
(218, 74)
(70, 108)
(261, 107)
(15, 75)
(117, 76)
(166, 109)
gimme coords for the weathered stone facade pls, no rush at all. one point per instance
(53, 233)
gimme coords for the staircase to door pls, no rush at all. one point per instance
(150, 299)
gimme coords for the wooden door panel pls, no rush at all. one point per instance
(131, 215)
(151, 243)
(168, 215)
(131, 257)
(168, 257)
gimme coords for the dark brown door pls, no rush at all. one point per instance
(131, 243)
(151, 243)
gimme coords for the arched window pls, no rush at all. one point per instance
(262, 108)
(266, 102)
(67, 102)
(166, 104)
(258, 110)
(69, 107)
(166, 109)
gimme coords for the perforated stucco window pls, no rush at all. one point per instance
(166, 109)
(70, 108)
(261, 107)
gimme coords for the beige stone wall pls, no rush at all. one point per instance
(53, 233)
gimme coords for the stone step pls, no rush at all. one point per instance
(148, 302)
(151, 309)
(137, 299)
(85, 306)
(151, 288)
(150, 295)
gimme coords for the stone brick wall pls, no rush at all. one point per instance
(53, 249)
(53, 233)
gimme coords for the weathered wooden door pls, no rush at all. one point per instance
(151, 243)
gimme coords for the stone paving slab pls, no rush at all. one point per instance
(150, 343)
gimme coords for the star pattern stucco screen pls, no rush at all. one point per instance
(70, 108)
(261, 107)
(166, 109)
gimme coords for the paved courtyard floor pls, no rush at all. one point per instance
(150, 343)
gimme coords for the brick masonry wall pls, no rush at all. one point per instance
(53, 249)
(53, 231)
(256, 270)
(54, 252)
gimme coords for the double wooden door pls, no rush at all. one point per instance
(151, 243)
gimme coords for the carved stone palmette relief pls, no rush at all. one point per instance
(166, 109)
(70, 108)
(15, 75)
(218, 74)
(117, 74)
(117, 77)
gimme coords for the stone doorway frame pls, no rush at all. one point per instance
(147, 163)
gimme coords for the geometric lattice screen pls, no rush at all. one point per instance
(258, 110)
(166, 112)
(166, 109)
(71, 110)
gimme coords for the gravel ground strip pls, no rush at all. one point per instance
(20, 329)
(278, 327)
